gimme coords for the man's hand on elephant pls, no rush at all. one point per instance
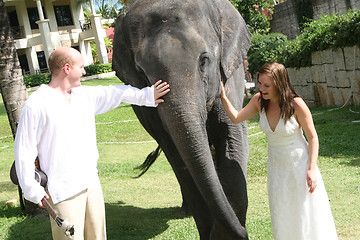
(160, 89)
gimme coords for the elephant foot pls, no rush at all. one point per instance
(216, 234)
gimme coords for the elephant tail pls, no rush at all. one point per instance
(148, 161)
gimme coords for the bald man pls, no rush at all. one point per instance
(57, 124)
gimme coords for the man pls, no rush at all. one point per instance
(57, 124)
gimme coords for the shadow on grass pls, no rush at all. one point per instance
(122, 222)
(26, 227)
(352, 163)
(132, 223)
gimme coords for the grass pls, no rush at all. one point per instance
(149, 207)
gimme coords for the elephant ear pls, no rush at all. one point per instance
(235, 37)
(123, 58)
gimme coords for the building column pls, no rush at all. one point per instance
(85, 50)
(99, 38)
(30, 52)
(23, 18)
(55, 37)
(32, 59)
(44, 31)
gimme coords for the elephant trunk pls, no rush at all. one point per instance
(191, 140)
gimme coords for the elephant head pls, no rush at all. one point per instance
(191, 44)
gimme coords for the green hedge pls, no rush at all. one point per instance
(44, 78)
(98, 68)
(264, 48)
(37, 79)
(334, 31)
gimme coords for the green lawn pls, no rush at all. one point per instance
(149, 207)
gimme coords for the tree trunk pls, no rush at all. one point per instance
(12, 86)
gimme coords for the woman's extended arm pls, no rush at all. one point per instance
(303, 116)
(247, 112)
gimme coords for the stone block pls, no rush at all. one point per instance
(346, 94)
(329, 75)
(298, 77)
(322, 57)
(349, 56)
(357, 57)
(355, 82)
(307, 75)
(338, 96)
(316, 58)
(343, 78)
(318, 74)
(327, 56)
(321, 94)
(291, 74)
(306, 92)
(356, 98)
(339, 61)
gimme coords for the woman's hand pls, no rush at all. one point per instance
(311, 180)
(160, 89)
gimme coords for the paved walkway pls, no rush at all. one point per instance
(249, 85)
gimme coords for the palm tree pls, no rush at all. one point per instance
(109, 9)
(12, 86)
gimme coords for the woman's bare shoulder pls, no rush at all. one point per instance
(300, 107)
(255, 101)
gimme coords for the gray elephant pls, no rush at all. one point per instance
(192, 44)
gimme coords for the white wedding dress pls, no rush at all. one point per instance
(295, 213)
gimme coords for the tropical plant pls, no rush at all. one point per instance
(256, 13)
(108, 45)
(109, 9)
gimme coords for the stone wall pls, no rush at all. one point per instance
(333, 6)
(284, 18)
(333, 79)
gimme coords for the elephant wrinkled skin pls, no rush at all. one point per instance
(191, 45)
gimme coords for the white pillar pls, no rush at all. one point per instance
(99, 38)
(39, 7)
(23, 18)
(92, 7)
(55, 37)
(44, 31)
(85, 49)
(32, 59)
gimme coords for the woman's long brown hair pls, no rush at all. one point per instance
(278, 73)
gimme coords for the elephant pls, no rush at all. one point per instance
(192, 45)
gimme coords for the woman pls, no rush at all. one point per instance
(299, 204)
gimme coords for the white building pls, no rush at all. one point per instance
(40, 26)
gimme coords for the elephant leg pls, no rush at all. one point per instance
(193, 199)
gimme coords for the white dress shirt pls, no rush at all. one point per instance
(63, 135)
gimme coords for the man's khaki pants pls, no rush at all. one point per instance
(86, 211)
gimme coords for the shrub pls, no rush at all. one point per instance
(335, 31)
(37, 79)
(264, 48)
(98, 68)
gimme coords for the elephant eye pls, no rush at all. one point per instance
(204, 61)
